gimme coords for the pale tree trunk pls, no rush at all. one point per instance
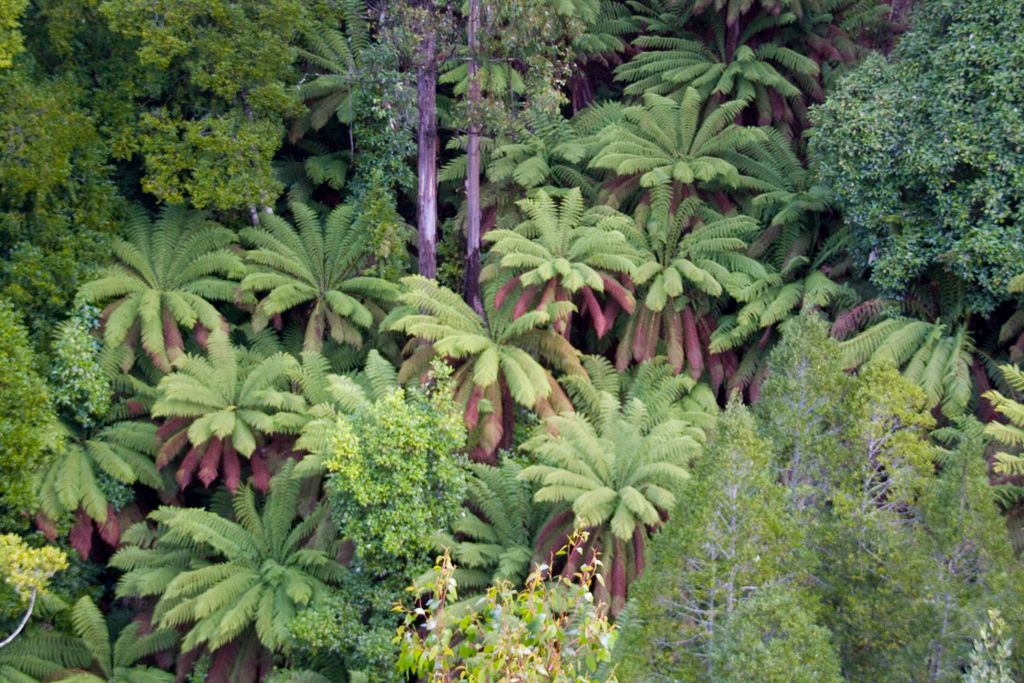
(472, 265)
(426, 165)
(22, 622)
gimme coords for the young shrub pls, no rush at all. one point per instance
(395, 479)
(548, 631)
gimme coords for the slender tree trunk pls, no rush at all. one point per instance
(472, 265)
(22, 622)
(426, 165)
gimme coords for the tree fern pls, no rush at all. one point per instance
(493, 541)
(564, 252)
(496, 361)
(758, 52)
(88, 470)
(802, 253)
(217, 578)
(690, 257)
(317, 266)
(618, 474)
(1008, 433)
(165, 275)
(315, 166)
(331, 396)
(668, 144)
(222, 406)
(1013, 328)
(666, 394)
(926, 335)
(41, 654)
(333, 57)
(933, 355)
(117, 661)
(667, 66)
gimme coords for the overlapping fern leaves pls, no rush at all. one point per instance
(689, 257)
(496, 360)
(928, 338)
(617, 472)
(118, 660)
(222, 406)
(216, 578)
(1008, 434)
(167, 273)
(317, 265)
(494, 541)
(669, 144)
(87, 467)
(336, 73)
(564, 251)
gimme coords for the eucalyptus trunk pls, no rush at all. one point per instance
(426, 164)
(472, 265)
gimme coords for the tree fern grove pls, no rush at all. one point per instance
(511, 340)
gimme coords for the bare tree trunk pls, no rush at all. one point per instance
(426, 164)
(22, 622)
(472, 265)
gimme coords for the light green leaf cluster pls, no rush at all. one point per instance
(26, 569)
(319, 265)
(81, 389)
(497, 360)
(166, 274)
(549, 630)
(395, 476)
(11, 39)
(618, 470)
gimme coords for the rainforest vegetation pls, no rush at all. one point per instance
(511, 340)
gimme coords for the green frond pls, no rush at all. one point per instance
(91, 627)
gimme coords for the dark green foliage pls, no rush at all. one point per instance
(922, 151)
(41, 654)
(27, 421)
(882, 549)
(57, 204)
(892, 536)
(774, 634)
(729, 538)
(236, 576)
(223, 73)
(493, 539)
(117, 659)
(227, 382)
